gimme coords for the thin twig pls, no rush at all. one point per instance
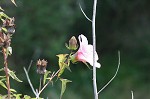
(84, 13)
(132, 94)
(114, 75)
(29, 81)
(94, 49)
(30, 65)
(6, 71)
(41, 82)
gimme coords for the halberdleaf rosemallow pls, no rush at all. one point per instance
(85, 52)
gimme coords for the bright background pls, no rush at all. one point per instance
(44, 26)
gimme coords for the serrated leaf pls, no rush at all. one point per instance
(63, 86)
(45, 76)
(26, 97)
(1, 8)
(13, 76)
(13, 1)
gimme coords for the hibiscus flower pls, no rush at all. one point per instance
(85, 52)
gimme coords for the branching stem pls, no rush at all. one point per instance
(53, 75)
(113, 76)
(30, 82)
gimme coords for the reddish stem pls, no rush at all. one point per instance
(6, 71)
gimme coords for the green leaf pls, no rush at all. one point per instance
(13, 76)
(3, 84)
(62, 58)
(2, 76)
(26, 97)
(13, 90)
(61, 62)
(4, 29)
(67, 65)
(61, 71)
(13, 1)
(2, 14)
(63, 87)
(1, 8)
(45, 76)
(2, 69)
(17, 96)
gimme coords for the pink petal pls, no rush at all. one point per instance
(85, 52)
(83, 40)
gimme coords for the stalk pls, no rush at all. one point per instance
(94, 49)
(6, 71)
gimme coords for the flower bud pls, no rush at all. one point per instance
(73, 43)
(41, 66)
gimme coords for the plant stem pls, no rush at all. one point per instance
(132, 94)
(49, 81)
(94, 49)
(41, 82)
(6, 71)
(30, 82)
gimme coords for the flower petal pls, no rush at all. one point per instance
(85, 52)
(83, 40)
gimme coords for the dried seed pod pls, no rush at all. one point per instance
(41, 66)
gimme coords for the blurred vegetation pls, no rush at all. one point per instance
(44, 26)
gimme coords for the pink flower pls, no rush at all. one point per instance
(85, 52)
